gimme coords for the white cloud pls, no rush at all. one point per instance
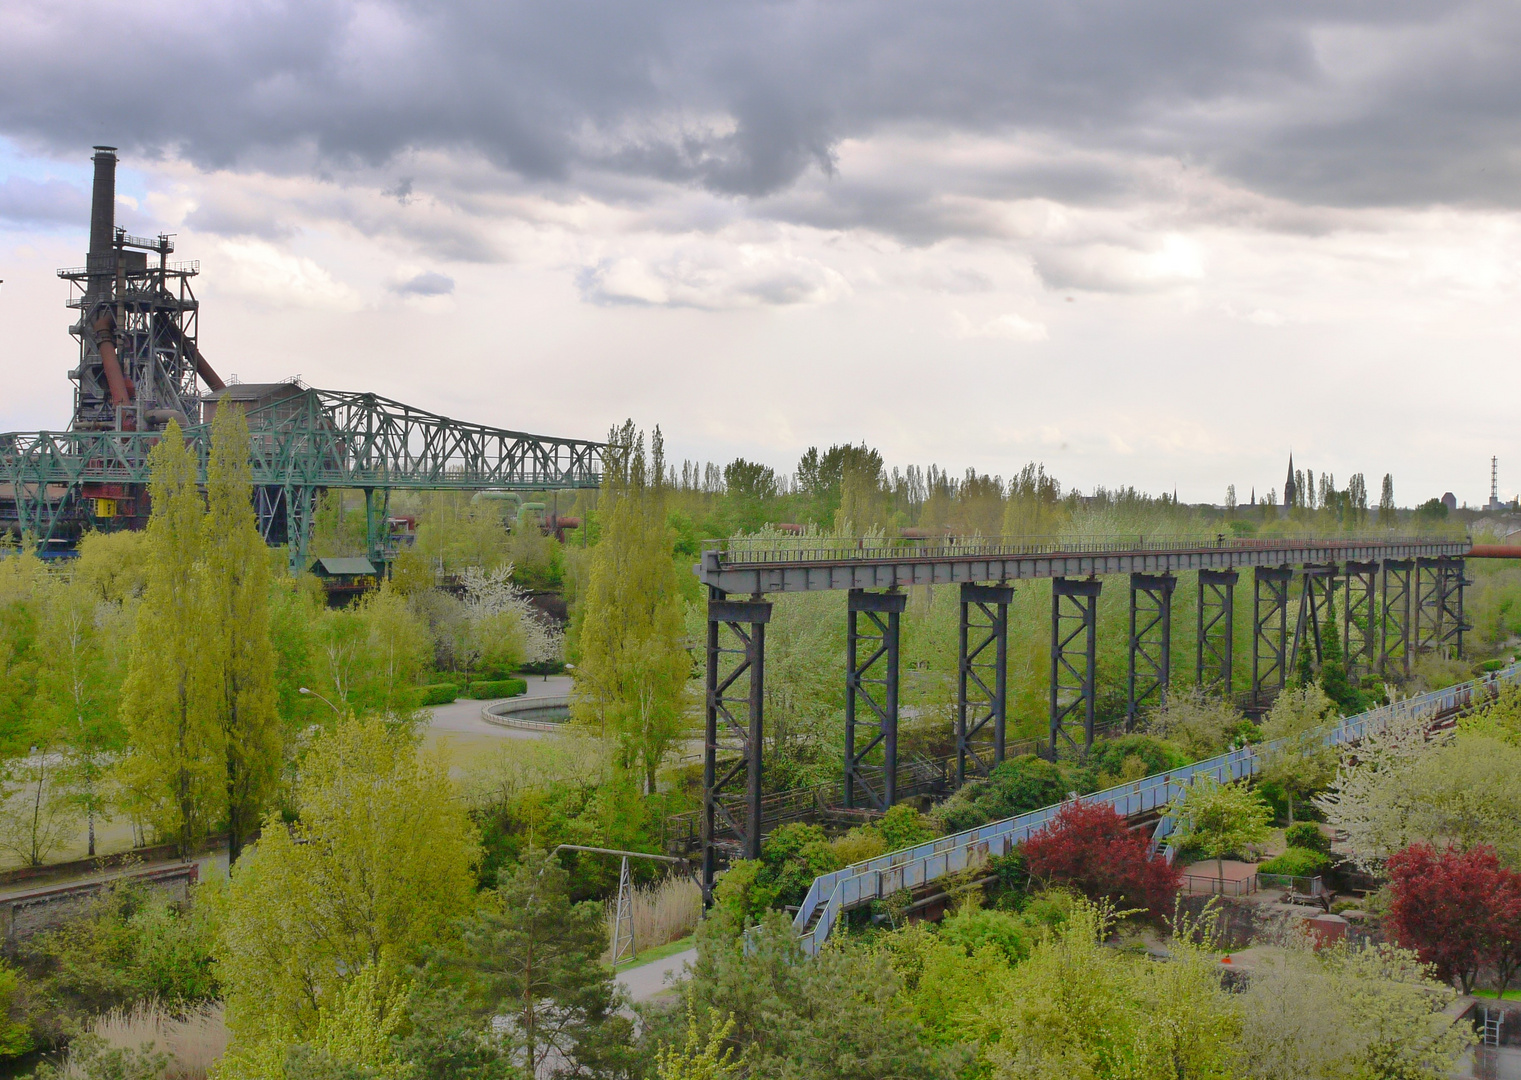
(262, 271)
(714, 277)
(1010, 327)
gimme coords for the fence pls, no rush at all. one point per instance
(1304, 886)
(1194, 884)
(831, 895)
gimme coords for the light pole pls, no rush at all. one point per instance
(319, 697)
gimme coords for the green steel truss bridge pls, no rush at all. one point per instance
(55, 484)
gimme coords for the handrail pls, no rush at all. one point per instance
(770, 551)
(831, 894)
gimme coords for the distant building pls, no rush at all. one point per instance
(1288, 485)
(1450, 501)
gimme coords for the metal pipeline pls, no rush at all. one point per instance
(105, 342)
(203, 369)
(1495, 551)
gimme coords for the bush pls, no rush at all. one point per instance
(1122, 758)
(502, 688)
(1018, 785)
(1308, 836)
(542, 667)
(1088, 846)
(1296, 862)
(439, 694)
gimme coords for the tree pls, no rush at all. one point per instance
(375, 871)
(1089, 847)
(235, 686)
(1218, 819)
(1329, 1012)
(1458, 910)
(40, 815)
(838, 1016)
(1396, 788)
(533, 957)
(701, 1057)
(1333, 668)
(177, 769)
(1386, 511)
(634, 667)
(1294, 754)
(23, 580)
(1077, 1008)
(76, 698)
(1202, 724)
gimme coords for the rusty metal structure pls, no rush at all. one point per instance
(140, 368)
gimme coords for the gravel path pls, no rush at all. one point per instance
(649, 980)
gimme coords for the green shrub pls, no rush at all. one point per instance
(1152, 753)
(1308, 836)
(1296, 862)
(542, 667)
(15, 1029)
(439, 694)
(501, 688)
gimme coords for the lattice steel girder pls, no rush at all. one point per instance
(1316, 586)
(1359, 618)
(983, 684)
(1215, 640)
(734, 726)
(1270, 630)
(1430, 605)
(311, 439)
(1074, 614)
(1439, 620)
(879, 641)
(1394, 645)
(1150, 650)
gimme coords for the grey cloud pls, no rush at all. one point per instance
(1398, 103)
(427, 283)
(43, 203)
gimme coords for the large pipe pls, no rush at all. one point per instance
(105, 343)
(1495, 551)
(203, 369)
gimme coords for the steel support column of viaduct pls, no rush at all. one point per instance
(1074, 659)
(1270, 631)
(1214, 652)
(736, 688)
(1439, 624)
(982, 691)
(1359, 619)
(1317, 584)
(869, 646)
(1150, 664)
(1394, 648)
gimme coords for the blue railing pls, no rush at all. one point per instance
(834, 893)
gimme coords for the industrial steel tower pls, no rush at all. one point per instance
(140, 367)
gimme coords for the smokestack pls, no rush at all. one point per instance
(103, 208)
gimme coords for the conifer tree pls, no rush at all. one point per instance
(176, 772)
(633, 666)
(235, 687)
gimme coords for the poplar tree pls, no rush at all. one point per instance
(235, 687)
(633, 665)
(176, 770)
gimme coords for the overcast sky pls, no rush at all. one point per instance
(1154, 244)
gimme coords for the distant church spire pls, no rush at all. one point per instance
(1288, 485)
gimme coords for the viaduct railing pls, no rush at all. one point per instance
(833, 894)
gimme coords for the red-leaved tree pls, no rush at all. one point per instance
(1088, 847)
(1460, 911)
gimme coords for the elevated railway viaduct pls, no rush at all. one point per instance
(1402, 596)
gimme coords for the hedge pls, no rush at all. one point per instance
(439, 693)
(502, 688)
(1296, 862)
(1307, 835)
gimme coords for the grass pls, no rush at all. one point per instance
(193, 1042)
(1510, 995)
(658, 952)
(667, 911)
